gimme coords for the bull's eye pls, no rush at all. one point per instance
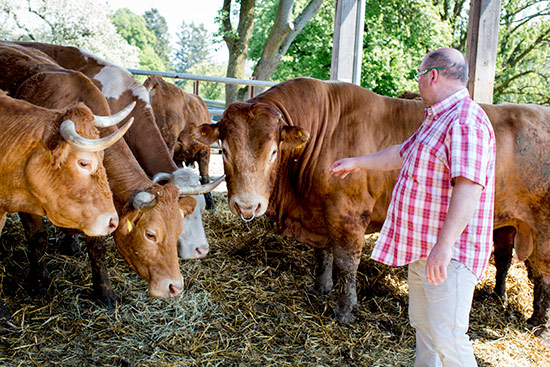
(150, 235)
(85, 164)
(273, 156)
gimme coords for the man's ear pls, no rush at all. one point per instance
(294, 136)
(207, 134)
(186, 205)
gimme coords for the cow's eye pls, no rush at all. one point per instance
(150, 235)
(85, 164)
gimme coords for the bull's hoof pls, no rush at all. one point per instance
(108, 298)
(38, 284)
(5, 320)
(346, 317)
(319, 291)
(69, 245)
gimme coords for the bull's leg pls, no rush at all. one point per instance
(346, 263)
(69, 244)
(103, 289)
(503, 250)
(37, 241)
(210, 205)
(203, 159)
(323, 271)
(541, 299)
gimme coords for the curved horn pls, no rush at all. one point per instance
(106, 121)
(144, 200)
(68, 132)
(200, 189)
(161, 176)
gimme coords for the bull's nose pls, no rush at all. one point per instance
(248, 212)
(113, 223)
(175, 289)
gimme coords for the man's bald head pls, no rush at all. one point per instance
(451, 60)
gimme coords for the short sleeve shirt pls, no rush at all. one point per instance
(455, 139)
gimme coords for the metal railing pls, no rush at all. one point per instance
(215, 108)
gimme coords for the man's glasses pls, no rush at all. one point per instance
(420, 73)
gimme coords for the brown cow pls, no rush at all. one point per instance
(120, 88)
(150, 213)
(277, 148)
(50, 169)
(177, 113)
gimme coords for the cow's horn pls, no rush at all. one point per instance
(106, 121)
(68, 131)
(144, 200)
(200, 189)
(161, 176)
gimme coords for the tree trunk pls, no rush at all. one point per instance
(282, 35)
(237, 43)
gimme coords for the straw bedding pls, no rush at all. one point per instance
(245, 304)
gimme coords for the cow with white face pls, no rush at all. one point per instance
(192, 242)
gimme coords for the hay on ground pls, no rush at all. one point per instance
(245, 304)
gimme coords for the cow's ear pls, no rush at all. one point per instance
(207, 134)
(294, 136)
(128, 222)
(186, 205)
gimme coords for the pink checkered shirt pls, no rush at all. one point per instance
(455, 139)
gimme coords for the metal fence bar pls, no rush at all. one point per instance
(217, 79)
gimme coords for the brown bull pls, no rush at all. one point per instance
(277, 148)
(120, 88)
(49, 169)
(177, 114)
(151, 214)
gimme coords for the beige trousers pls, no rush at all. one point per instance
(441, 314)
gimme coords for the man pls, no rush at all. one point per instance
(440, 218)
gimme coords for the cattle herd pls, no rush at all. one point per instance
(85, 144)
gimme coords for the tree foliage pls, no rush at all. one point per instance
(83, 24)
(194, 46)
(399, 33)
(157, 24)
(133, 29)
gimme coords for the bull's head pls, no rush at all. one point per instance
(254, 139)
(67, 176)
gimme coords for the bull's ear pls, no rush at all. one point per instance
(294, 136)
(207, 134)
(186, 205)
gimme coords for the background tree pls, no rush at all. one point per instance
(523, 56)
(83, 24)
(237, 40)
(193, 46)
(311, 52)
(157, 24)
(133, 29)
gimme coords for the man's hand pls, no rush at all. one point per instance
(343, 167)
(438, 261)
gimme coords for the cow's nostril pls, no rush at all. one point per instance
(200, 252)
(113, 223)
(175, 289)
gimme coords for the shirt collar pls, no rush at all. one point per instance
(442, 106)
